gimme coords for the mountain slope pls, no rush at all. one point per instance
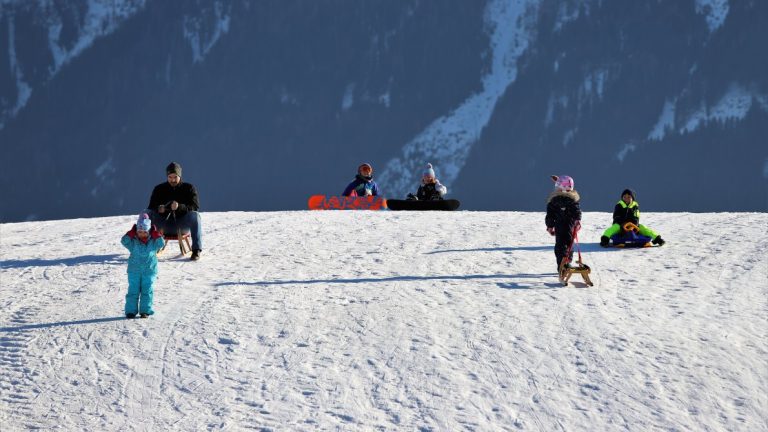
(393, 320)
(265, 103)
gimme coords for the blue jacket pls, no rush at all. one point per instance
(143, 259)
(360, 184)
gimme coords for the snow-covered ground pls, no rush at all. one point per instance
(387, 320)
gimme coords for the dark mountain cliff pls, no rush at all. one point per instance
(266, 102)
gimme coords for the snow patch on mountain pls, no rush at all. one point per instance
(100, 18)
(202, 32)
(569, 136)
(568, 12)
(629, 147)
(735, 104)
(103, 173)
(665, 123)
(553, 104)
(348, 99)
(97, 19)
(594, 83)
(714, 11)
(447, 141)
(23, 90)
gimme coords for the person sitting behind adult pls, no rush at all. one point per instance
(363, 184)
(174, 206)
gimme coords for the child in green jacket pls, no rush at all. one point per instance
(628, 210)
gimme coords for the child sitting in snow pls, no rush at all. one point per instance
(563, 215)
(143, 241)
(363, 184)
(628, 210)
(430, 188)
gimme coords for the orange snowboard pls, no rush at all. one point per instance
(322, 202)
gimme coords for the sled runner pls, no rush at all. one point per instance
(567, 269)
(322, 202)
(630, 237)
(444, 205)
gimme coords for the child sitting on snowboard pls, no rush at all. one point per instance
(430, 188)
(143, 241)
(563, 215)
(363, 184)
(628, 210)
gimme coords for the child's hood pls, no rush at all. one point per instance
(565, 194)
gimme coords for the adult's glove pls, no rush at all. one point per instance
(551, 230)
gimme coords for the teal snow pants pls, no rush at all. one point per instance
(140, 292)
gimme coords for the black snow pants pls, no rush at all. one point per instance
(563, 240)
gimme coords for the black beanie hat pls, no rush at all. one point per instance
(173, 168)
(626, 191)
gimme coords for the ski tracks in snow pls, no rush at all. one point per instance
(387, 320)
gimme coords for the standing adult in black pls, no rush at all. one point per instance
(174, 207)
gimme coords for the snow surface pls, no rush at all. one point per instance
(446, 142)
(419, 321)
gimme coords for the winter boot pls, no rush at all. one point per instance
(195, 255)
(143, 315)
(130, 315)
(658, 241)
(605, 241)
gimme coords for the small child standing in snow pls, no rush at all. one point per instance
(563, 215)
(430, 188)
(143, 241)
(628, 210)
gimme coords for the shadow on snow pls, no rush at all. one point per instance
(71, 261)
(388, 279)
(497, 249)
(59, 324)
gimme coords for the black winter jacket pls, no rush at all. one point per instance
(563, 210)
(428, 192)
(624, 213)
(185, 194)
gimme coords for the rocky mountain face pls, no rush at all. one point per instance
(267, 102)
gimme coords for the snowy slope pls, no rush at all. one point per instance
(387, 320)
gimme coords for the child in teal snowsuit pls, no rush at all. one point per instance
(143, 241)
(628, 210)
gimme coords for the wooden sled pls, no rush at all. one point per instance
(182, 238)
(566, 272)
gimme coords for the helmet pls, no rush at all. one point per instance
(365, 167)
(563, 183)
